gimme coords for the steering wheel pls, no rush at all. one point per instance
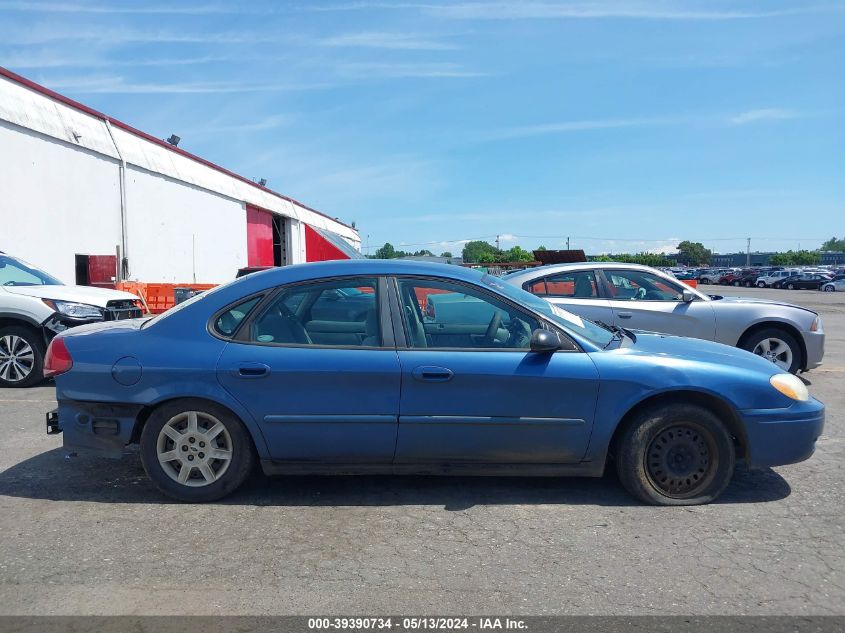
(641, 293)
(493, 328)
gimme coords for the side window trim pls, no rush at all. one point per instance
(211, 325)
(388, 341)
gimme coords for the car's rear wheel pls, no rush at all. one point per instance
(21, 357)
(829, 288)
(196, 451)
(791, 286)
(761, 284)
(737, 283)
(777, 346)
(677, 454)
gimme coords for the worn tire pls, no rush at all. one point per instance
(36, 343)
(641, 434)
(750, 342)
(242, 452)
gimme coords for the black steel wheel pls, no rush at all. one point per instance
(675, 454)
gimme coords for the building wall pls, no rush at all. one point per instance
(178, 233)
(56, 200)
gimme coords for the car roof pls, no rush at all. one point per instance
(550, 269)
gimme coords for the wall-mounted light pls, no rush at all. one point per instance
(173, 140)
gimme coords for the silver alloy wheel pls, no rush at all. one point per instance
(194, 448)
(829, 288)
(17, 358)
(776, 351)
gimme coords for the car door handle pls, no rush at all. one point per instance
(256, 370)
(429, 373)
(624, 315)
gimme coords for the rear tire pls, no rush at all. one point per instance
(829, 288)
(761, 284)
(196, 451)
(675, 455)
(791, 287)
(21, 356)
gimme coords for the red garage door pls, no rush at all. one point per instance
(259, 237)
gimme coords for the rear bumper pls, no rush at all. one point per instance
(777, 437)
(93, 427)
(814, 342)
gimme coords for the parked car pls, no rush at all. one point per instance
(766, 280)
(35, 306)
(834, 284)
(633, 296)
(234, 376)
(711, 276)
(803, 281)
(747, 279)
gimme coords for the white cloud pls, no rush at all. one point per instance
(118, 85)
(580, 126)
(763, 114)
(376, 39)
(399, 71)
(268, 123)
(141, 8)
(528, 10)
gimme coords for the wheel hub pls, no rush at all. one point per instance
(678, 461)
(194, 449)
(16, 358)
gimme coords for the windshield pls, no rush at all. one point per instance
(14, 272)
(582, 327)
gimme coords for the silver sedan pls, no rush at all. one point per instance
(643, 298)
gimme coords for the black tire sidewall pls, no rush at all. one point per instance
(35, 341)
(751, 341)
(243, 456)
(641, 431)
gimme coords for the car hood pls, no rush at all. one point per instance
(696, 350)
(748, 301)
(78, 294)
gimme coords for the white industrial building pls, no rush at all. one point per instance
(75, 183)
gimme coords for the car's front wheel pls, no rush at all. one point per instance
(21, 357)
(777, 346)
(829, 288)
(791, 286)
(196, 451)
(761, 284)
(677, 454)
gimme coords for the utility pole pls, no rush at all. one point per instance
(748, 252)
(567, 243)
(497, 243)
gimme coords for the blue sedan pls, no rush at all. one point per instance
(344, 367)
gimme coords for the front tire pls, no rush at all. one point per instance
(21, 357)
(675, 455)
(829, 288)
(761, 284)
(196, 451)
(777, 346)
(791, 287)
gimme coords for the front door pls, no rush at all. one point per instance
(644, 301)
(319, 372)
(472, 392)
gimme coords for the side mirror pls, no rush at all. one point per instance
(687, 296)
(544, 341)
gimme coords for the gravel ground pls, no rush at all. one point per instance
(91, 536)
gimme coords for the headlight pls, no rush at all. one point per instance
(817, 325)
(75, 310)
(790, 386)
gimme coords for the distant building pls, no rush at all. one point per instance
(731, 260)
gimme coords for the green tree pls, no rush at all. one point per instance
(516, 254)
(473, 251)
(693, 253)
(646, 259)
(386, 252)
(834, 244)
(445, 254)
(542, 248)
(795, 258)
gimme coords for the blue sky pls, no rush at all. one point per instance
(626, 125)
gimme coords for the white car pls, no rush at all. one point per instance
(35, 306)
(764, 281)
(835, 285)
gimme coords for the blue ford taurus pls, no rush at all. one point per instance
(347, 367)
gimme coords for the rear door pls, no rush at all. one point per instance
(644, 301)
(322, 389)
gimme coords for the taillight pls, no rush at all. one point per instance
(58, 360)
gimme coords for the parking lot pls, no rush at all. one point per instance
(82, 535)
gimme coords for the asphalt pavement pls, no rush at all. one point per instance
(83, 535)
